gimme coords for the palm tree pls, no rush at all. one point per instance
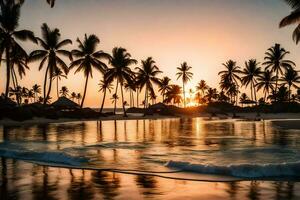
(230, 76)
(114, 98)
(146, 77)
(243, 98)
(9, 22)
(131, 87)
(274, 60)
(58, 75)
(266, 82)
(211, 94)
(64, 91)
(186, 75)
(250, 72)
(202, 87)
(293, 18)
(73, 96)
(36, 90)
(104, 86)
(30, 95)
(232, 71)
(174, 94)
(120, 62)
(18, 61)
(164, 86)
(88, 58)
(50, 53)
(78, 97)
(291, 78)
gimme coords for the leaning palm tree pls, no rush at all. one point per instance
(202, 87)
(185, 74)
(266, 82)
(19, 63)
(164, 86)
(9, 36)
(291, 78)
(104, 87)
(249, 75)
(36, 90)
(88, 58)
(64, 91)
(276, 62)
(293, 18)
(51, 53)
(120, 71)
(146, 77)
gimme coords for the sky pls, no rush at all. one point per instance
(204, 33)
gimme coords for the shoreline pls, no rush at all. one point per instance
(239, 116)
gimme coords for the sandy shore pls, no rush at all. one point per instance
(245, 116)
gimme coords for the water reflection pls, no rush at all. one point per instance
(161, 139)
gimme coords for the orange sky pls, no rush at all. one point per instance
(203, 33)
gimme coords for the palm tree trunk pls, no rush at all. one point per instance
(103, 101)
(45, 85)
(137, 97)
(115, 107)
(123, 104)
(265, 96)
(7, 72)
(251, 87)
(57, 92)
(183, 94)
(276, 85)
(145, 101)
(289, 93)
(84, 93)
(49, 89)
(254, 90)
(15, 82)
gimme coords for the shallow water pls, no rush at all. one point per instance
(160, 155)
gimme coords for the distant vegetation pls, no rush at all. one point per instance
(275, 76)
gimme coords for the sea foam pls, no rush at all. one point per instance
(241, 170)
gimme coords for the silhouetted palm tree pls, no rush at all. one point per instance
(58, 74)
(147, 76)
(88, 58)
(78, 97)
(164, 86)
(73, 96)
(202, 87)
(230, 76)
(293, 18)
(232, 71)
(243, 98)
(211, 94)
(250, 72)
(50, 53)
(174, 94)
(36, 90)
(266, 82)
(19, 64)
(9, 22)
(274, 60)
(291, 78)
(131, 87)
(233, 92)
(185, 74)
(104, 86)
(64, 91)
(120, 62)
